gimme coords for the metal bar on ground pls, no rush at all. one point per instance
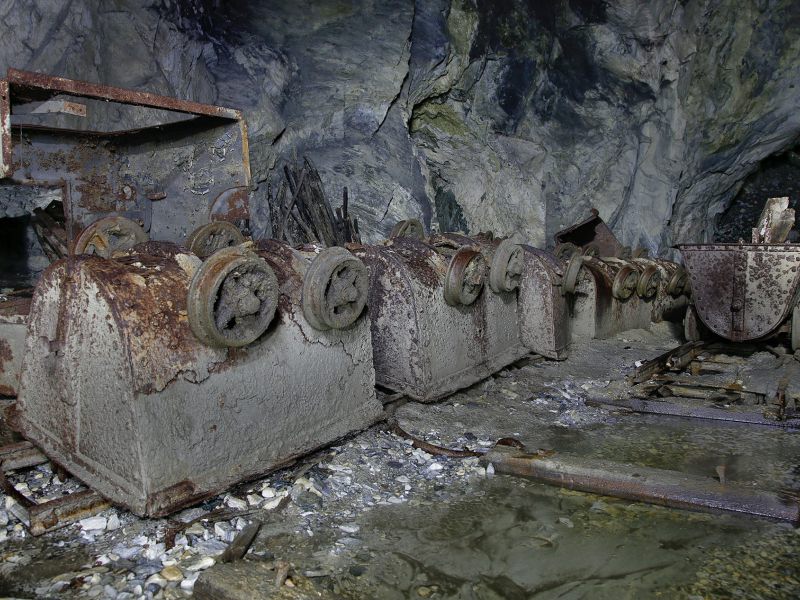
(671, 409)
(63, 511)
(673, 358)
(642, 484)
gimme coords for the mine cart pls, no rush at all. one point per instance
(609, 295)
(744, 292)
(541, 307)
(535, 276)
(158, 379)
(443, 311)
(611, 288)
(92, 169)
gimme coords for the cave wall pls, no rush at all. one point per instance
(510, 115)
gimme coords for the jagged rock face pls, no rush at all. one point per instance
(507, 115)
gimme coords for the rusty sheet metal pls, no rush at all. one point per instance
(743, 291)
(545, 326)
(642, 484)
(594, 232)
(116, 388)
(422, 346)
(171, 178)
(38, 86)
(13, 329)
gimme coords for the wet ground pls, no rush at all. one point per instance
(374, 517)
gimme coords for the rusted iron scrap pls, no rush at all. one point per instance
(42, 517)
(188, 168)
(642, 484)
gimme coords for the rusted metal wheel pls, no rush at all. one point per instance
(232, 298)
(109, 235)
(506, 268)
(691, 325)
(466, 275)
(570, 281)
(649, 280)
(625, 283)
(208, 238)
(566, 250)
(334, 289)
(678, 282)
(796, 328)
(412, 228)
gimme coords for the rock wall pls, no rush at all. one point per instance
(507, 115)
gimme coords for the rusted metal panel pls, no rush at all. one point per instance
(38, 86)
(13, 328)
(170, 178)
(422, 345)
(118, 389)
(743, 291)
(593, 234)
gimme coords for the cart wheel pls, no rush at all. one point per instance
(465, 277)
(677, 283)
(591, 250)
(565, 250)
(334, 289)
(625, 283)
(649, 281)
(796, 328)
(412, 228)
(691, 325)
(570, 281)
(232, 298)
(208, 238)
(109, 235)
(507, 265)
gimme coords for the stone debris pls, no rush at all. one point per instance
(314, 515)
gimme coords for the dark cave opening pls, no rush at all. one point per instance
(776, 176)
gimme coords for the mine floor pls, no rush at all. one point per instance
(374, 517)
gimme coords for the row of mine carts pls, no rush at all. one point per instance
(159, 375)
(164, 355)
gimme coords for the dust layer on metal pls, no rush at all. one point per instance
(422, 346)
(643, 484)
(170, 177)
(543, 308)
(118, 390)
(591, 231)
(743, 292)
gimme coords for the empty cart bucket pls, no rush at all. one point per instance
(159, 380)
